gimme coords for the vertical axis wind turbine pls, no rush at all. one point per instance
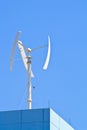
(27, 62)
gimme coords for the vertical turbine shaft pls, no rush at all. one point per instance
(27, 64)
(29, 83)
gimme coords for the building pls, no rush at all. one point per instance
(34, 119)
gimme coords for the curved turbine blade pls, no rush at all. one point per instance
(25, 48)
(13, 49)
(24, 58)
(31, 73)
(23, 55)
(48, 55)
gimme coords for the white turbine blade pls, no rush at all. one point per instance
(30, 72)
(24, 58)
(25, 48)
(48, 55)
(13, 49)
(32, 75)
(23, 55)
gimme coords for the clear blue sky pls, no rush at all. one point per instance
(63, 86)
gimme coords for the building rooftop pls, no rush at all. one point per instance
(34, 119)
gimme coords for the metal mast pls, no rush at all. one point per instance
(27, 63)
(29, 100)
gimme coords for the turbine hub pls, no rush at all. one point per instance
(29, 50)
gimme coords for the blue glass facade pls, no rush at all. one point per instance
(35, 119)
